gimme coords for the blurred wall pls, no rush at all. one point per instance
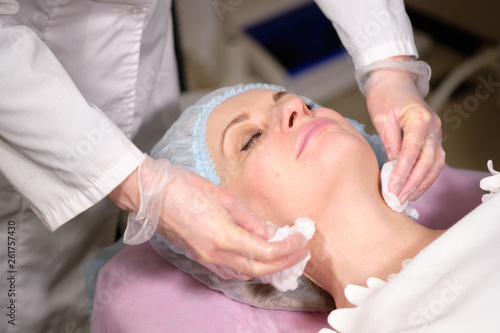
(478, 17)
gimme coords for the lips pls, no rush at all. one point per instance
(310, 130)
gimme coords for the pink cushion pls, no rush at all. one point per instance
(138, 291)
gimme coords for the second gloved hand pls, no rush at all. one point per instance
(408, 128)
(207, 222)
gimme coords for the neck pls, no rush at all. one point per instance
(352, 245)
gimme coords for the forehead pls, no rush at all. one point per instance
(247, 99)
(246, 102)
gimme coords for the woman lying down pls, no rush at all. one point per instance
(287, 158)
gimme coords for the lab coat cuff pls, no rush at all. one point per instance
(387, 50)
(420, 71)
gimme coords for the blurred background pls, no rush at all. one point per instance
(291, 43)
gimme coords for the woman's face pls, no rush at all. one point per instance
(282, 159)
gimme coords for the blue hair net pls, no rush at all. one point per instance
(185, 143)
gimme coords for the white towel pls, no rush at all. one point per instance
(288, 278)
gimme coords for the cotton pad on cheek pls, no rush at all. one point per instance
(288, 279)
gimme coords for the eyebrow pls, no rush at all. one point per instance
(238, 119)
(277, 96)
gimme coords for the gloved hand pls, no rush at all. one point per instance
(408, 128)
(204, 220)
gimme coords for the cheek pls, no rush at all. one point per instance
(350, 161)
(264, 185)
(262, 178)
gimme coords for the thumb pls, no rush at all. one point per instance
(390, 133)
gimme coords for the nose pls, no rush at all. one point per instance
(290, 112)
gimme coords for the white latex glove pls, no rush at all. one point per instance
(204, 220)
(408, 128)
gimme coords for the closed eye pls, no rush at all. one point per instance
(251, 141)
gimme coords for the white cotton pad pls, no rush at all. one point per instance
(288, 279)
(390, 198)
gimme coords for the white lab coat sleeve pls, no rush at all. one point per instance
(371, 30)
(59, 151)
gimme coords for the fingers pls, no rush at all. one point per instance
(242, 267)
(431, 176)
(390, 133)
(415, 120)
(259, 268)
(425, 170)
(242, 243)
(250, 255)
(274, 251)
